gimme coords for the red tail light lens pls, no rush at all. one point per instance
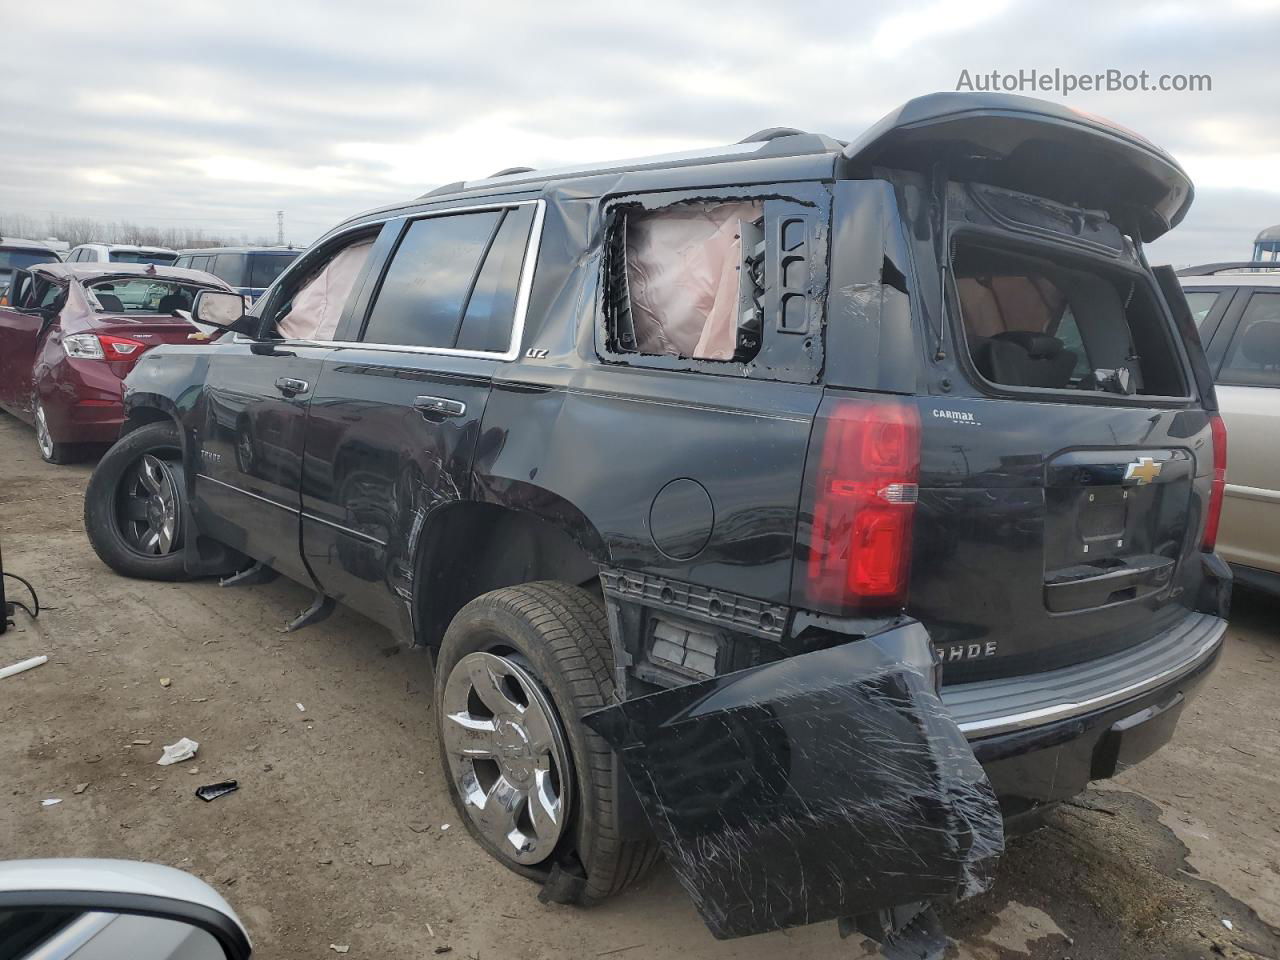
(859, 503)
(120, 348)
(1214, 513)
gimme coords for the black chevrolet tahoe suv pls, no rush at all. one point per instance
(811, 512)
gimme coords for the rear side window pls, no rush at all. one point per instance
(1201, 302)
(230, 267)
(1254, 356)
(1032, 320)
(265, 267)
(452, 282)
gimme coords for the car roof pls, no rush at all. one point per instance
(140, 248)
(17, 243)
(203, 251)
(85, 272)
(1233, 280)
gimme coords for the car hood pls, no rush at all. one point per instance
(1033, 146)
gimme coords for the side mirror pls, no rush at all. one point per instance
(56, 908)
(222, 309)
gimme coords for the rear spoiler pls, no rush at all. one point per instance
(1033, 146)
(1212, 269)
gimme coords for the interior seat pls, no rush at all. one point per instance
(171, 302)
(110, 302)
(1020, 358)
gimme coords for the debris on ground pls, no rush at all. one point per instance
(184, 749)
(212, 791)
(379, 861)
(50, 802)
(444, 949)
(80, 788)
(444, 826)
(301, 708)
(165, 682)
(339, 947)
(139, 743)
(22, 666)
(1228, 924)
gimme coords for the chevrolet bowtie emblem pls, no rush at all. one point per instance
(1142, 471)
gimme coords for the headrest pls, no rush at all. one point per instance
(1261, 343)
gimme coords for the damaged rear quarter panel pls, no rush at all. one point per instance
(830, 784)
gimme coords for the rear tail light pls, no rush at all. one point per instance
(1213, 515)
(91, 346)
(859, 502)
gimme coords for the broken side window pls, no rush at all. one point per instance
(686, 280)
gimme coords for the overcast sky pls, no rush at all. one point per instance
(216, 114)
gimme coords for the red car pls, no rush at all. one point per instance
(71, 332)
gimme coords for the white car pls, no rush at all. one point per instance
(121, 253)
(1236, 306)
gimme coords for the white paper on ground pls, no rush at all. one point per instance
(184, 749)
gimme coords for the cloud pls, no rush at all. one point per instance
(223, 113)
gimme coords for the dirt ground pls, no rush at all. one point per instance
(338, 832)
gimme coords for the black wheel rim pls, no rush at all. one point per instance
(147, 507)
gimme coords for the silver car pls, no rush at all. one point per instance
(1237, 309)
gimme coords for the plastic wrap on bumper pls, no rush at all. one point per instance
(830, 784)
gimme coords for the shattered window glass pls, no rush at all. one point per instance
(678, 283)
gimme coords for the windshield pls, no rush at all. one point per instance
(21, 259)
(138, 256)
(141, 295)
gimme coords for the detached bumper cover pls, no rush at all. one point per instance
(827, 785)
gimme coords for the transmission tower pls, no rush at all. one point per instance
(280, 228)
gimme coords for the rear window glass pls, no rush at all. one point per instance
(265, 267)
(134, 256)
(425, 288)
(142, 295)
(1033, 321)
(21, 259)
(1254, 356)
(1201, 302)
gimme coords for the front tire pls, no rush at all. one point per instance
(516, 671)
(133, 506)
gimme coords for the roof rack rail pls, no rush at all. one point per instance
(772, 133)
(1210, 269)
(446, 188)
(509, 171)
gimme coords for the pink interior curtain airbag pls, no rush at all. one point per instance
(317, 307)
(682, 274)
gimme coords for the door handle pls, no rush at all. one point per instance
(439, 406)
(290, 386)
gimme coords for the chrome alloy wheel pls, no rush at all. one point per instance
(148, 507)
(44, 439)
(507, 756)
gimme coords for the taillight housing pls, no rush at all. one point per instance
(860, 491)
(101, 346)
(1213, 515)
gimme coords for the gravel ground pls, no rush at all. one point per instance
(338, 832)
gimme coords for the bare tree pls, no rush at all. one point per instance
(78, 230)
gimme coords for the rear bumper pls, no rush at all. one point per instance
(839, 782)
(1042, 739)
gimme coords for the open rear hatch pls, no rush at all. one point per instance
(1034, 147)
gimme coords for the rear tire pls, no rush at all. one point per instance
(133, 506)
(51, 451)
(557, 635)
